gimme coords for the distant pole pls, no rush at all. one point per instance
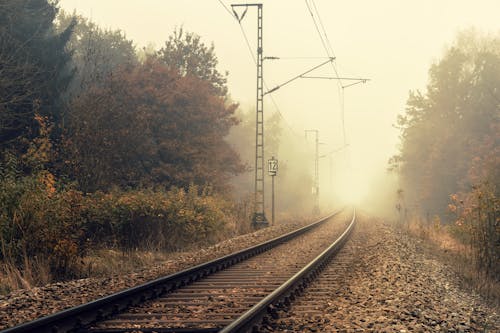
(330, 155)
(316, 171)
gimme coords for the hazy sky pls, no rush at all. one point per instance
(391, 42)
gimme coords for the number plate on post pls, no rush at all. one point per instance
(272, 166)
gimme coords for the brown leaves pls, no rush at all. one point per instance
(149, 125)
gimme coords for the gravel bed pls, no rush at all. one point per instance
(393, 285)
(28, 304)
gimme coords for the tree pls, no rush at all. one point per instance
(148, 125)
(96, 52)
(449, 157)
(189, 56)
(16, 93)
(447, 130)
(34, 68)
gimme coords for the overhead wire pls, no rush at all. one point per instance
(325, 41)
(226, 8)
(317, 29)
(249, 46)
(340, 86)
(323, 29)
(341, 91)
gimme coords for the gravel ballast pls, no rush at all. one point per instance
(391, 284)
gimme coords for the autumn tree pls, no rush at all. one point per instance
(149, 125)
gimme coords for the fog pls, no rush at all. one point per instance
(390, 42)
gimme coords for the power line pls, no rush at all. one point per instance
(357, 79)
(300, 58)
(323, 28)
(226, 8)
(249, 46)
(329, 52)
(340, 86)
(325, 41)
(298, 76)
(328, 48)
(317, 29)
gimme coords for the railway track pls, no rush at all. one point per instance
(235, 293)
(307, 312)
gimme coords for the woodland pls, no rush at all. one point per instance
(105, 145)
(449, 153)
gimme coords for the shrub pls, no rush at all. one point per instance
(43, 221)
(39, 221)
(478, 225)
(157, 219)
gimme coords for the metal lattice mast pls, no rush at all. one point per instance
(259, 217)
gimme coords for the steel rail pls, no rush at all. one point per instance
(283, 295)
(75, 318)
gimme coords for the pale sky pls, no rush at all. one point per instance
(391, 42)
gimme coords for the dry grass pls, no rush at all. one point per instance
(105, 262)
(33, 273)
(446, 246)
(99, 263)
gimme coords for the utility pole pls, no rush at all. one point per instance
(316, 171)
(330, 158)
(259, 217)
(355, 80)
